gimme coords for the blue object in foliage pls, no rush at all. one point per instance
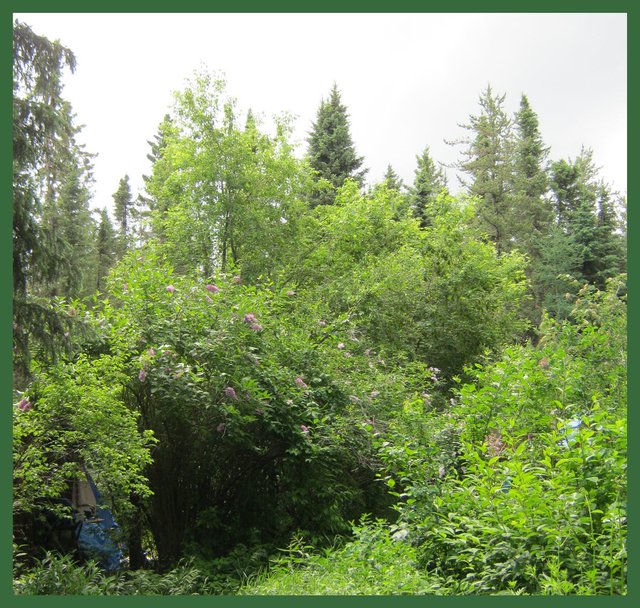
(573, 427)
(95, 542)
(95, 538)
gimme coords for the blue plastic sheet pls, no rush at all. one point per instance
(95, 542)
(96, 536)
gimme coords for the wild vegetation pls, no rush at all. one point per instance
(285, 380)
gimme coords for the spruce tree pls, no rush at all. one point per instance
(124, 214)
(609, 245)
(73, 236)
(159, 195)
(106, 249)
(585, 212)
(44, 151)
(42, 130)
(157, 145)
(331, 150)
(532, 211)
(488, 163)
(428, 183)
(399, 198)
(563, 182)
(392, 179)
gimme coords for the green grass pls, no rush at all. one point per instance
(374, 563)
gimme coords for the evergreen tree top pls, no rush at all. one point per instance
(392, 179)
(331, 150)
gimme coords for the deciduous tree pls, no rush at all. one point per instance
(236, 193)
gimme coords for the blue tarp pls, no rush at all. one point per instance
(96, 536)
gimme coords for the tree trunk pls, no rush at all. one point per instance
(137, 558)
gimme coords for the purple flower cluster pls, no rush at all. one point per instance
(250, 319)
(230, 392)
(212, 288)
(170, 288)
(24, 405)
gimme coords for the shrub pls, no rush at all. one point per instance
(513, 520)
(537, 501)
(256, 406)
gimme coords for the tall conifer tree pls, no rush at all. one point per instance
(106, 249)
(157, 145)
(428, 183)
(44, 157)
(124, 214)
(331, 150)
(533, 214)
(488, 163)
(586, 213)
(392, 179)
(73, 235)
(159, 195)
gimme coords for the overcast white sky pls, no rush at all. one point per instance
(408, 80)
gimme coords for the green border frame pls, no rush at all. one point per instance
(630, 7)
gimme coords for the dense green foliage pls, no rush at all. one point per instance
(540, 503)
(373, 563)
(245, 404)
(502, 492)
(400, 283)
(284, 382)
(75, 417)
(60, 575)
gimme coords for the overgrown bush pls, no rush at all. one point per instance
(439, 295)
(536, 503)
(256, 405)
(512, 520)
(72, 419)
